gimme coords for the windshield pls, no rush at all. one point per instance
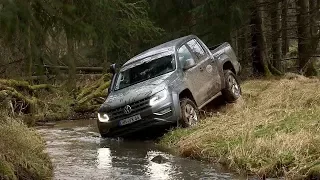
(145, 71)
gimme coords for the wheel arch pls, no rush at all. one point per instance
(227, 65)
(186, 93)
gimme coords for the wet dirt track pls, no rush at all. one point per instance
(78, 152)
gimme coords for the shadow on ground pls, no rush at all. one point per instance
(217, 105)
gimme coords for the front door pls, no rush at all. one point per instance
(196, 77)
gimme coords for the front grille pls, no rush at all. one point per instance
(136, 107)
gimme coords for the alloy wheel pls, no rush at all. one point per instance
(233, 84)
(191, 115)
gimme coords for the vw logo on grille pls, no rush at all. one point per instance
(127, 109)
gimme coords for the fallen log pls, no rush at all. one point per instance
(48, 77)
(27, 105)
(92, 96)
(24, 85)
(20, 97)
(85, 69)
(99, 92)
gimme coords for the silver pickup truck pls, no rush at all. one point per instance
(168, 84)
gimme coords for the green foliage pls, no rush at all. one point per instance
(120, 26)
(116, 29)
(212, 20)
(216, 20)
(174, 16)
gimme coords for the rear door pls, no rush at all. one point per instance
(212, 70)
(208, 74)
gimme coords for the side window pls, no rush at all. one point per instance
(197, 50)
(184, 54)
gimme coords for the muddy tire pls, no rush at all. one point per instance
(189, 113)
(232, 92)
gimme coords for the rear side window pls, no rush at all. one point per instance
(197, 50)
(184, 54)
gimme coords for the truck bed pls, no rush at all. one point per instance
(219, 49)
(226, 49)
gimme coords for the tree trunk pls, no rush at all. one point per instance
(55, 60)
(234, 41)
(303, 36)
(241, 41)
(38, 46)
(313, 17)
(257, 66)
(303, 32)
(284, 22)
(71, 62)
(262, 45)
(314, 37)
(276, 41)
(104, 54)
(103, 45)
(29, 52)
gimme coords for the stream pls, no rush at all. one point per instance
(78, 152)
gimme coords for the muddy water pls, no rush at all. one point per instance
(78, 152)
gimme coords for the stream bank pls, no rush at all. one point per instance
(273, 131)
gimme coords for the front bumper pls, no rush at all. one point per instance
(164, 114)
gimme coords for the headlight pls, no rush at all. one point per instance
(159, 97)
(103, 117)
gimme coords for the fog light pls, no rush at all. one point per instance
(163, 112)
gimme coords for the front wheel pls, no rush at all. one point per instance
(189, 113)
(232, 91)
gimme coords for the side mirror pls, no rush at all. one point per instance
(189, 63)
(113, 68)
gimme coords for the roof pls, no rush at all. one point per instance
(165, 47)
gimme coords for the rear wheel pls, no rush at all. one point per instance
(189, 113)
(232, 92)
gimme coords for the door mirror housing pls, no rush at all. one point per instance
(113, 69)
(189, 63)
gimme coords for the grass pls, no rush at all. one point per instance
(273, 131)
(22, 153)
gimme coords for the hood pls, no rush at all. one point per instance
(136, 92)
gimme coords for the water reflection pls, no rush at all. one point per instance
(104, 158)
